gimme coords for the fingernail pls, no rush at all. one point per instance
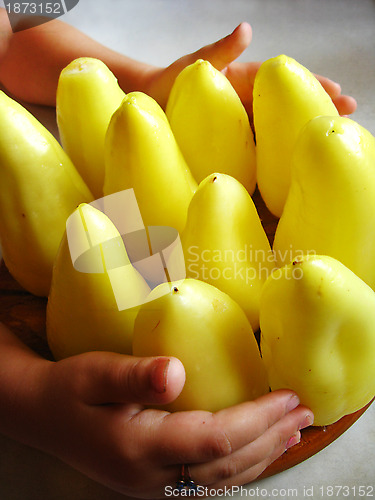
(308, 420)
(159, 375)
(295, 439)
(292, 403)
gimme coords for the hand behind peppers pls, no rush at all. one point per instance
(23, 50)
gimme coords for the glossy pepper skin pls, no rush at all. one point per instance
(141, 153)
(331, 203)
(317, 320)
(87, 96)
(286, 96)
(40, 188)
(211, 125)
(209, 333)
(83, 312)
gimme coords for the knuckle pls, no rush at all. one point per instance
(130, 379)
(73, 373)
(219, 444)
(281, 439)
(228, 469)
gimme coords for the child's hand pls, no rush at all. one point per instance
(241, 75)
(31, 62)
(89, 413)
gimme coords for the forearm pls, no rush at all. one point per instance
(31, 60)
(21, 373)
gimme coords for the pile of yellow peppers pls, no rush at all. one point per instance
(194, 167)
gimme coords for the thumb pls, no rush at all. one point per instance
(220, 54)
(226, 50)
(115, 378)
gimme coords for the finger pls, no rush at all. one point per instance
(245, 464)
(209, 436)
(226, 50)
(164, 482)
(114, 378)
(345, 105)
(332, 88)
(264, 448)
(242, 76)
(219, 54)
(252, 473)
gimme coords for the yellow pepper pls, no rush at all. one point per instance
(317, 322)
(40, 187)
